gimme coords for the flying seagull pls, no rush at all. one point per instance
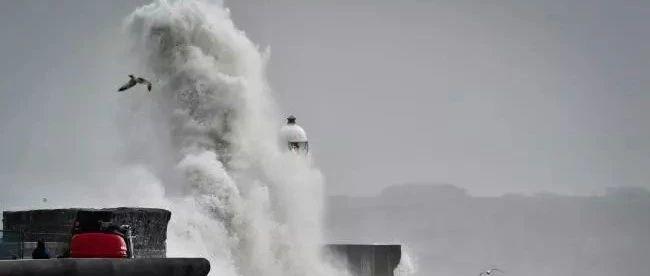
(133, 81)
(490, 272)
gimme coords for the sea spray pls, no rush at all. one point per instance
(407, 264)
(242, 202)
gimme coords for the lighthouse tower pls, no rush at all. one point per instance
(294, 136)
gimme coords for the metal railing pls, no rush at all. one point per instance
(19, 244)
(11, 245)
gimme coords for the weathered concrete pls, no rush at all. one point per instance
(55, 226)
(367, 259)
(107, 267)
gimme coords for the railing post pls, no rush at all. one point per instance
(21, 237)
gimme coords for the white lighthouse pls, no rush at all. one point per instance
(294, 136)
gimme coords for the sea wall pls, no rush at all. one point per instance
(107, 267)
(367, 259)
(54, 226)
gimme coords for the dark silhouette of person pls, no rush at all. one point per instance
(40, 252)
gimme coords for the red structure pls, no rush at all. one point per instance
(98, 245)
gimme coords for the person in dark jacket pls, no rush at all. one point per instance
(40, 252)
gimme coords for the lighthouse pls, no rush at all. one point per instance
(294, 136)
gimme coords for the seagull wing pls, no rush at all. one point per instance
(497, 270)
(127, 85)
(148, 85)
(144, 81)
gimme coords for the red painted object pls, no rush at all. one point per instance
(98, 245)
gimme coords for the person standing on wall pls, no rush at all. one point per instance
(40, 252)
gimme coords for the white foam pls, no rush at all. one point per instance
(211, 129)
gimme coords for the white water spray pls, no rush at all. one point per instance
(407, 265)
(211, 131)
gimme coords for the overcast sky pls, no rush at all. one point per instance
(492, 96)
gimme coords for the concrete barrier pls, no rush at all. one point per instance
(367, 259)
(107, 267)
(55, 226)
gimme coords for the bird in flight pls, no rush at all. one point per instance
(133, 81)
(490, 272)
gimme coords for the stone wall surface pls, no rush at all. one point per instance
(367, 259)
(55, 226)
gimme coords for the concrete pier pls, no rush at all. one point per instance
(54, 226)
(367, 259)
(107, 267)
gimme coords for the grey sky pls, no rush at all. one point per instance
(492, 96)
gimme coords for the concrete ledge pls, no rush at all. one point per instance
(107, 267)
(368, 259)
